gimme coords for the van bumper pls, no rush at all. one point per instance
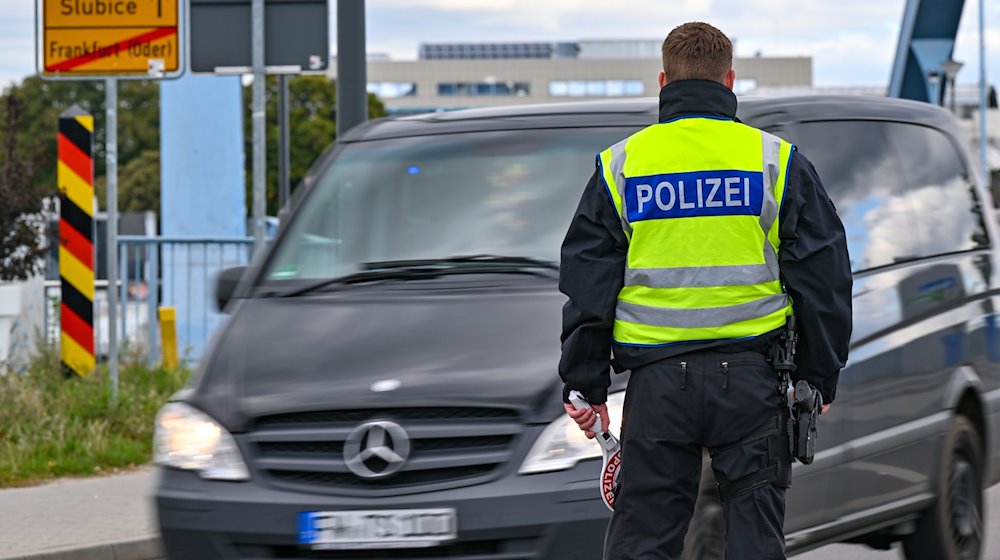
(550, 515)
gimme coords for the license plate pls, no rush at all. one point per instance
(398, 528)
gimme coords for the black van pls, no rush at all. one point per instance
(386, 386)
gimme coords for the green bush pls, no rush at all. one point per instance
(52, 425)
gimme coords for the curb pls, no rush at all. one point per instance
(139, 549)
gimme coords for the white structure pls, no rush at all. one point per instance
(22, 319)
(454, 76)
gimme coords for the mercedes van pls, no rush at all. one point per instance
(386, 387)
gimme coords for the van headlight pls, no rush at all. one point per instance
(186, 438)
(563, 444)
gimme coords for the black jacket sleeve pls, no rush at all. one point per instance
(816, 271)
(591, 273)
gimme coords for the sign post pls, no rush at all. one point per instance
(983, 92)
(111, 165)
(258, 110)
(352, 97)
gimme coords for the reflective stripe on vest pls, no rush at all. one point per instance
(698, 200)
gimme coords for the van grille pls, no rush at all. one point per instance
(449, 447)
(398, 415)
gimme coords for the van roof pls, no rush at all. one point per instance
(761, 112)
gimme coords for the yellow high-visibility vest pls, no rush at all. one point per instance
(698, 199)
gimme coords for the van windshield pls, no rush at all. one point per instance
(509, 193)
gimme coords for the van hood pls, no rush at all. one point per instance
(423, 343)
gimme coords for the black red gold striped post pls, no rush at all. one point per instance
(75, 175)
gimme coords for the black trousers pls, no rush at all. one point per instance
(673, 410)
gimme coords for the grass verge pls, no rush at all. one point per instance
(53, 426)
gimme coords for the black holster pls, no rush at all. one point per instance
(803, 401)
(803, 421)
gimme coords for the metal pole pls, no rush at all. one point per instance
(122, 293)
(111, 174)
(954, 93)
(284, 187)
(257, 113)
(352, 96)
(152, 299)
(982, 94)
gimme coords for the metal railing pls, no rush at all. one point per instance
(154, 272)
(176, 272)
(53, 298)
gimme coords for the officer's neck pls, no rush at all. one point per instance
(696, 97)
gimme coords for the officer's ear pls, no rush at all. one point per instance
(662, 78)
(730, 79)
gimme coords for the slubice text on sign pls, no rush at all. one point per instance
(110, 37)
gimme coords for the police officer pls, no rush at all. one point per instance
(694, 241)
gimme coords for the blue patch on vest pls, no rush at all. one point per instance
(696, 193)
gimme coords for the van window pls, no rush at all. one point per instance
(940, 191)
(508, 193)
(866, 183)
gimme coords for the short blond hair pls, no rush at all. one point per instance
(697, 51)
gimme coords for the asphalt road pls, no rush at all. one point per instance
(855, 552)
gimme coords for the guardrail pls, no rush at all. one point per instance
(156, 272)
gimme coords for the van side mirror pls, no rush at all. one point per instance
(225, 285)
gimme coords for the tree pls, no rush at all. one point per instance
(312, 128)
(138, 124)
(21, 195)
(138, 184)
(312, 101)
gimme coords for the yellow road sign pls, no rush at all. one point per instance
(110, 37)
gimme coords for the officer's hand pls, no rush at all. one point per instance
(826, 408)
(585, 418)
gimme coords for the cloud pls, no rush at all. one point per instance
(525, 20)
(17, 40)
(852, 41)
(967, 43)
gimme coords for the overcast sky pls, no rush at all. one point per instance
(852, 42)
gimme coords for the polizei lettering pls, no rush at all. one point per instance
(609, 479)
(700, 193)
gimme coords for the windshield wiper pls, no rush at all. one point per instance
(429, 268)
(365, 276)
(448, 262)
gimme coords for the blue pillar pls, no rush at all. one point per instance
(202, 194)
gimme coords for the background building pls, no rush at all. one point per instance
(460, 75)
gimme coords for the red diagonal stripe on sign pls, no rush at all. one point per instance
(77, 328)
(78, 161)
(76, 243)
(148, 37)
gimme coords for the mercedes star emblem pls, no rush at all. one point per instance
(376, 449)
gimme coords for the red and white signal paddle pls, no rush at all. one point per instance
(611, 450)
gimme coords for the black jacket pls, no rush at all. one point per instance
(813, 259)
